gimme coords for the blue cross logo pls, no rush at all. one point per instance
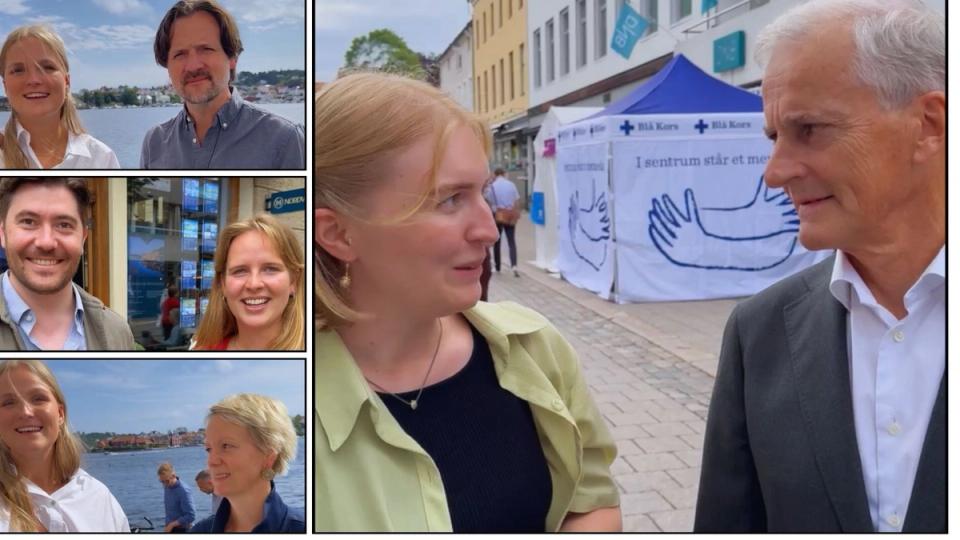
(700, 126)
(626, 127)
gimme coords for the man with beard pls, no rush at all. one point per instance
(42, 230)
(198, 42)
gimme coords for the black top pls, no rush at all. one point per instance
(484, 442)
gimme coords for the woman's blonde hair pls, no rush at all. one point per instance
(267, 422)
(13, 157)
(66, 454)
(219, 323)
(361, 123)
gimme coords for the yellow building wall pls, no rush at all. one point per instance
(500, 85)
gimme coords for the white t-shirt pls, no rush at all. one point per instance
(84, 504)
(83, 152)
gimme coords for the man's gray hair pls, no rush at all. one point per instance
(900, 45)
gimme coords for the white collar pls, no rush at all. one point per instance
(844, 280)
(74, 146)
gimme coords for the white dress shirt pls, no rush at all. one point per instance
(895, 371)
(83, 152)
(84, 504)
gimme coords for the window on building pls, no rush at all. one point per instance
(523, 71)
(476, 98)
(600, 27)
(501, 13)
(551, 73)
(512, 95)
(509, 8)
(581, 14)
(476, 32)
(565, 41)
(486, 93)
(648, 10)
(484, 26)
(680, 9)
(503, 78)
(520, 4)
(493, 85)
(493, 19)
(537, 81)
(459, 61)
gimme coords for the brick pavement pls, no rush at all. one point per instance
(650, 367)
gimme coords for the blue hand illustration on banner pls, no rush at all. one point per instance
(589, 227)
(766, 224)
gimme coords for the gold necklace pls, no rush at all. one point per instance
(415, 401)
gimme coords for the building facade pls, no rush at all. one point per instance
(456, 68)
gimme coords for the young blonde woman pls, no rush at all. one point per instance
(435, 412)
(42, 487)
(257, 298)
(44, 130)
(249, 440)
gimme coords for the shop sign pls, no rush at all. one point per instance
(283, 202)
(729, 51)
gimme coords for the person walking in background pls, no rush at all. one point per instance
(829, 407)
(43, 226)
(250, 439)
(503, 197)
(205, 484)
(258, 294)
(177, 501)
(44, 129)
(42, 487)
(171, 301)
(199, 44)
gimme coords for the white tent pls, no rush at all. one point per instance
(543, 211)
(662, 195)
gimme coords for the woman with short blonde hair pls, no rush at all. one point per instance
(250, 439)
(258, 294)
(40, 460)
(44, 129)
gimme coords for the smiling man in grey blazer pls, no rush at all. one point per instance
(828, 411)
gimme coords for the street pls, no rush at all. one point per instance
(651, 370)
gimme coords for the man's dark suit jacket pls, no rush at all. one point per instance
(780, 450)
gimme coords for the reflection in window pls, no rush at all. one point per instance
(172, 235)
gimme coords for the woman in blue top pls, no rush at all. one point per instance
(249, 440)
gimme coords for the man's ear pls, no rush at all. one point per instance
(932, 111)
(330, 234)
(3, 236)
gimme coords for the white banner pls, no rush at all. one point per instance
(694, 220)
(586, 252)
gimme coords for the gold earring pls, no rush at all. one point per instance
(345, 278)
(267, 474)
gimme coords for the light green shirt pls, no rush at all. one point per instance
(371, 476)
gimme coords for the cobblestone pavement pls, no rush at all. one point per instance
(650, 367)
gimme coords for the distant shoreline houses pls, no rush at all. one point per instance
(267, 87)
(179, 437)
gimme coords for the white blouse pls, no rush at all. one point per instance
(83, 152)
(84, 504)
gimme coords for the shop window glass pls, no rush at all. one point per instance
(173, 224)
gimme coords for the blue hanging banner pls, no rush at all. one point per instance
(538, 208)
(630, 26)
(707, 5)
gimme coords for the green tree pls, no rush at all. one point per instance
(383, 50)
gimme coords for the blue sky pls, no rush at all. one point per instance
(110, 42)
(130, 396)
(428, 26)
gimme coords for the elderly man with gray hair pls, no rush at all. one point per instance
(828, 411)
